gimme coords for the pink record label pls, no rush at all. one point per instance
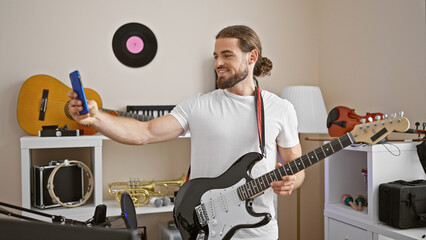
(134, 44)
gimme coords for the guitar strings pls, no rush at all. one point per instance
(53, 101)
(229, 197)
(294, 166)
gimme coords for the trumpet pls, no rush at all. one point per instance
(142, 191)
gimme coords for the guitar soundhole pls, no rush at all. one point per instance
(66, 110)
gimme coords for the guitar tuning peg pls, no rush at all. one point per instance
(362, 120)
(401, 114)
(393, 115)
(377, 118)
(385, 116)
(417, 127)
(370, 119)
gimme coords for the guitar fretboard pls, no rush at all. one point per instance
(260, 184)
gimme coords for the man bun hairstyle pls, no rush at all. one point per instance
(248, 40)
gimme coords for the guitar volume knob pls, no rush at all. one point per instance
(214, 222)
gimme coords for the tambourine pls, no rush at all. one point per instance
(86, 197)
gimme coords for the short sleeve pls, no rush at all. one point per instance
(288, 136)
(183, 110)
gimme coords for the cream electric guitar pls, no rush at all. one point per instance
(216, 208)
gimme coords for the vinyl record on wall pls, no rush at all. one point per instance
(134, 45)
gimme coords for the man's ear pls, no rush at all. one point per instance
(253, 56)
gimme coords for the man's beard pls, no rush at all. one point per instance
(224, 83)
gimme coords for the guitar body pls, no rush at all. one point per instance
(30, 104)
(218, 197)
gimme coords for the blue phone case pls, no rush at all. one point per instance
(77, 86)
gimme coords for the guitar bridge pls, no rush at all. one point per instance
(43, 105)
(202, 216)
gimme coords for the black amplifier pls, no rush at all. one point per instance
(68, 184)
(403, 204)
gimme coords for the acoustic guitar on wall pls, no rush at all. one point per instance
(43, 101)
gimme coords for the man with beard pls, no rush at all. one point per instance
(223, 123)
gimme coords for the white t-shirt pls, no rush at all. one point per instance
(223, 128)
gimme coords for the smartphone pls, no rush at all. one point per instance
(77, 86)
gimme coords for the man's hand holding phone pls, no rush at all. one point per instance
(79, 108)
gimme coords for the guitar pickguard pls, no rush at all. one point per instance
(223, 209)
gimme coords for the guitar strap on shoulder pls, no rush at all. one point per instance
(260, 115)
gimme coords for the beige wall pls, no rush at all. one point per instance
(57, 37)
(372, 56)
(365, 54)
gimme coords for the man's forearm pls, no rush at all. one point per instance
(120, 129)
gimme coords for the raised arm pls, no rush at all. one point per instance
(125, 130)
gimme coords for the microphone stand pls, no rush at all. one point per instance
(128, 214)
(55, 218)
(108, 222)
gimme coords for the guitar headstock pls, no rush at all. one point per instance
(373, 131)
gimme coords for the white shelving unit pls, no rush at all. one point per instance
(384, 163)
(82, 213)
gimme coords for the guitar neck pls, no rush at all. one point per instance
(142, 118)
(260, 184)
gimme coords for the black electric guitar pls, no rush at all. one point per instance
(215, 208)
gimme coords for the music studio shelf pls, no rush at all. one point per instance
(84, 212)
(384, 163)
